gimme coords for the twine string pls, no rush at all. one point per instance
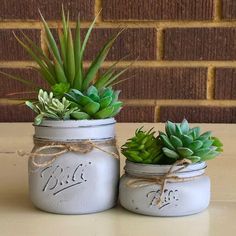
(169, 177)
(83, 147)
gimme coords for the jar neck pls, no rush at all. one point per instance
(149, 170)
(103, 129)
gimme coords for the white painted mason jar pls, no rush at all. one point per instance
(75, 181)
(189, 195)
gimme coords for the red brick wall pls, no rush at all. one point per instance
(186, 53)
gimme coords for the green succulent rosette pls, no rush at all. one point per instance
(180, 141)
(144, 147)
(94, 103)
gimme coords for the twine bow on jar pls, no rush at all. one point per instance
(170, 177)
(49, 149)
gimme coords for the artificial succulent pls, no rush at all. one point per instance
(63, 70)
(180, 141)
(94, 103)
(52, 108)
(177, 143)
(144, 147)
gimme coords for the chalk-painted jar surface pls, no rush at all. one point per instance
(76, 169)
(189, 194)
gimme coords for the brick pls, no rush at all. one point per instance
(12, 86)
(51, 10)
(225, 83)
(16, 113)
(136, 114)
(200, 44)
(198, 114)
(164, 83)
(157, 10)
(10, 49)
(133, 43)
(228, 9)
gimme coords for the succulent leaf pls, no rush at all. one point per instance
(165, 140)
(170, 128)
(106, 101)
(184, 126)
(184, 152)
(91, 108)
(194, 159)
(187, 139)
(195, 145)
(175, 141)
(78, 115)
(104, 113)
(170, 153)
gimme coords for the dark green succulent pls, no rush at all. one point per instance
(94, 103)
(144, 147)
(180, 141)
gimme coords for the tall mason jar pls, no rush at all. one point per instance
(74, 166)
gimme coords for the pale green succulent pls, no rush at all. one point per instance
(94, 103)
(51, 108)
(144, 147)
(180, 141)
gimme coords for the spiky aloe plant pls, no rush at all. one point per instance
(180, 141)
(64, 69)
(144, 147)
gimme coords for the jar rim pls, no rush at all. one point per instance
(76, 129)
(138, 169)
(76, 123)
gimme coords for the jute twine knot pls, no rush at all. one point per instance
(162, 180)
(53, 150)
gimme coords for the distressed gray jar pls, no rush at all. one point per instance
(75, 182)
(178, 199)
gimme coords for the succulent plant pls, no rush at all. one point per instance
(52, 108)
(94, 103)
(63, 69)
(180, 141)
(144, 147)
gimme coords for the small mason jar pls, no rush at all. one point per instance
(188, 192)
(70, 175)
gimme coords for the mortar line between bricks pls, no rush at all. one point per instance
(157, 114)
(43, 43)
(97, 9)
(156, 103)
(210, 82)
(160, 43)
(178, 102)
(217, 10)
(137, 64)
(126, 24)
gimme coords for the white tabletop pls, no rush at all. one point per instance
(19, 217)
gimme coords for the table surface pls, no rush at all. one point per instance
(19, 217)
